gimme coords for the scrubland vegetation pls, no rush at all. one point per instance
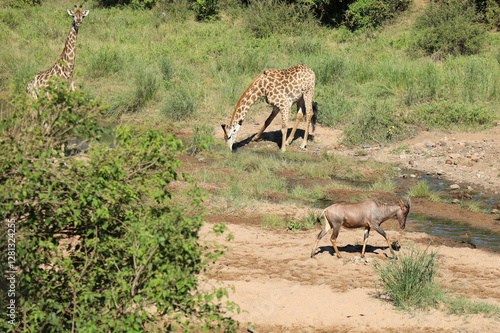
(153, 67)
(380, 77)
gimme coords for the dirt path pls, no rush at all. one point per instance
(281, 289)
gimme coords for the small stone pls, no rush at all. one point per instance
(455, 201)
(454, 186)
(440, 172)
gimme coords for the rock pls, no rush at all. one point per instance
(455, 201)
(440, 173)
(454, 186)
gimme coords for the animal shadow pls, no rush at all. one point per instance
(274, 136)
(356, 249)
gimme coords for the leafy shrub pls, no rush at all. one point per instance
(207, 10)
(491, 10)
(409, 280)
(373, 13)
(268, 17)
(137, 4)
(24, 3)
(99, 240)
(449, 27)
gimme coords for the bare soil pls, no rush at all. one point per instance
(281, 289)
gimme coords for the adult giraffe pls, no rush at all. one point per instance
(282, 88)
(65, 64)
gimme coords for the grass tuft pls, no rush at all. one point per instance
(409, 280)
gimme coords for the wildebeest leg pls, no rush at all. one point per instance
(335, 233)
(365, 240)
(382, 232)
(321, 234)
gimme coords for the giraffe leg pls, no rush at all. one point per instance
(267, 123)
(309, 113)
(283, 141)
(300, 115)
(284, 126)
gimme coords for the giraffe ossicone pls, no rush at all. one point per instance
(282, 88)
(65, 63)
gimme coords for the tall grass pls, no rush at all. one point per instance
(409, 281)
(375, 89)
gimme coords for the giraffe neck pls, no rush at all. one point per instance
(66, 61)
(249, 97)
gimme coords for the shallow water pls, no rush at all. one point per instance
(443, 227)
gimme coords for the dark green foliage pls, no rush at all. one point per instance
(450, 27)
(410, 279)
(268, 17)
(99, 241)
(24, 3)
(207, 10)
(137, 4)
(373, 13)
(492, 13)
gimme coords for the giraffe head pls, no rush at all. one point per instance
(78, 15)
(230, 133)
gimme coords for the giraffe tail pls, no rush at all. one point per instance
(315, 116)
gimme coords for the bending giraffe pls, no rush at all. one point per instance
(65, 64)
(282, 88)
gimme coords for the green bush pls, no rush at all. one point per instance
(24, 3)
(136, 4)
(207, 10)
(373, 13)
(99, 242)
(449, 27)
(409, 280)
(268, 17)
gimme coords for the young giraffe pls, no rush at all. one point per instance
(64, 65)
(282, 88)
